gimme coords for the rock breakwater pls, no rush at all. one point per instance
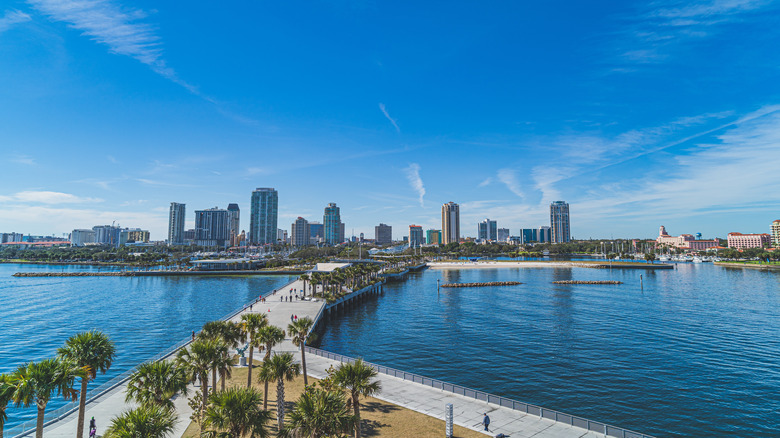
(587, 282)
(490, 283)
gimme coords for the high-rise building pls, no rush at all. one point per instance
(545, 234)
(317, 232)
(133, 235)
(559, 222)
(176, 224)
(776, 233)
(487, 231)
(416, 237)
(433, 237)
(300, 232)
(281, 235)
(383, 234)
(212, 227)
(342, 233)
(529, 235)
(450, 222)
(107, 234)
(82, 237)
(742, 241)
(11, 237)
(503, 235)
(234, 218)
(333, 225)
(263, 216)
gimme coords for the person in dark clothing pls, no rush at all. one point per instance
(486, 422)
(92, 426)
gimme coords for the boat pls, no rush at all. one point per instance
(696, 260)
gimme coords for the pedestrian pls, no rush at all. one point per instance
(193, 335)
(486, 422)
(92, 427)
(291, 318)
(250, 307)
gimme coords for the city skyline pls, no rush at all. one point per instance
(636, 114)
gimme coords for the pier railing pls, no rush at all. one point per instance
(550, 414)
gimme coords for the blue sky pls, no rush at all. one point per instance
(639, 114)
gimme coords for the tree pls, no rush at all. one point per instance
(223, 364)
(251, 323)
(94, 352)
(299, 331)
(236, 413)
(304, 278)
(228, 331)
(267, 337)
(196, 361)
(148, 421)
(280, 368)
(36, 382)
(156, 383)
(317, 413)
(650, 257)
(7, 388)
(356, 378)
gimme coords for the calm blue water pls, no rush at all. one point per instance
(144, 316)
(694, 354)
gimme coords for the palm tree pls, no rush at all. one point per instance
(267, 337)
(251, 323)
(7, 388)
(356, 378)
(280, 368)
(93, 351)
(36, 382)
(304, 278)
(299, 331)
(318, 413)
(228, 331)
(224, 363)
(148, 421)
(237, 413)
(196, 361)
(155, 383)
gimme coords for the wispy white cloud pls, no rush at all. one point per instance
(24, 159)
(11, 18)
(387, 115)
(413, 175)
(509, 178)
(486, 182)
(46, 197)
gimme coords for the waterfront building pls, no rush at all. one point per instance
(342, 233)
(212, 227)
(683, 241)
(263, 216)
(107, 234)
(234, 218)
(450, 222)
(742, 241)
(529, 235)
(317, 232)
(487, 231)
(544, 234)
(81, 237)
(416, 236)
(433, 237)
(332, 224)
(133, 235)
(503, 235)
(176, 217)
(189, 236)
(559, 222)
(281, 235)
(776, 233)
(11, 237)
(300, 232)
(383, 234)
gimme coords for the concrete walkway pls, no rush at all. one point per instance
(467, 412)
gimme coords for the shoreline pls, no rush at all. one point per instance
(496, 264)
(748, 266)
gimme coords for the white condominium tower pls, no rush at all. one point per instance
(559, 222)
(450, 222)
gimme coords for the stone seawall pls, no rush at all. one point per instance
(587, 282)
(491, 283)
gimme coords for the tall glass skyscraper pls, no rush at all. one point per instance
(176, 224)
(487, 230)
(333, 226)
(234, 218)
(263, 216)
(450, 222)
(559, 222)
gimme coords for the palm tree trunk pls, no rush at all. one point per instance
(39, 422)
(222, 376)
(251, 364)
(356, 408)
(204, 380)
(303, 362)
(265, 397)
(214, 378)
(279, 403)
(82, 409)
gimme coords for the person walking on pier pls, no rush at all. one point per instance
(486, 422)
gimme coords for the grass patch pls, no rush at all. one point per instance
(379, 418)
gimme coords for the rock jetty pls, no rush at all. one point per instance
(587, 282)
(490, 283)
